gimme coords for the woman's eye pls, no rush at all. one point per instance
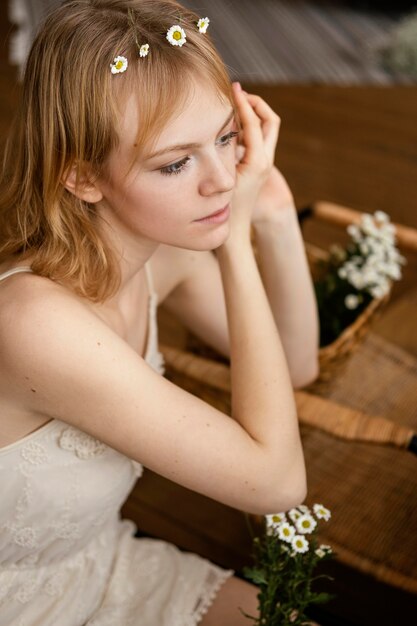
(179, 166)
(228, 138)
(175, 168)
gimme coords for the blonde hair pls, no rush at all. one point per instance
(68, 113)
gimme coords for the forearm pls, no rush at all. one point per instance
(287, 280)
(262, 395)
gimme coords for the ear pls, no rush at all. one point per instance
(86, 187)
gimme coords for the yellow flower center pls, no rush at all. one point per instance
(286, 531)
(177, 35)
(202, 24)
(299, 543)
(119, 65)
(305, 524)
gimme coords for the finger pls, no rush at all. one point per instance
(240, 151)
(251, 125)
(270, 122)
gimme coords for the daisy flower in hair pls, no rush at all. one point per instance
(119, 65)
(176, 35)
(144, 49)
(202, 24)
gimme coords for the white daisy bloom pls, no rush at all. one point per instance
(294, 514)
(303, 508)
(378, 291)
(380, 216)
(320, 553)
(286, 532)
(321, 512)
(176, 35)
(119, 65)
(390, 228)
(202, 24)
(325, 547)
(275, 518)
(351, 301)
(354, 232)
(305, 524)
(356, 279)
(342, 272)
(394, 271)
(144, 50)
(299, 543)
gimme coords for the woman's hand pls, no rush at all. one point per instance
(275, 198)
(259, 136)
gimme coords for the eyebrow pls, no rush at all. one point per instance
(187, 146)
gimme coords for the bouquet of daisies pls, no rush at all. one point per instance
(354, 275)
(285, 556)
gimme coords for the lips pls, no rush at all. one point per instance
(215, 213)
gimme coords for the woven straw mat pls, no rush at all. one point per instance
(370, 489)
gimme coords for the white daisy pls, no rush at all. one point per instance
(364, 248)
(144, 50)
(294, 514)
(321, 512)
(378, 291)
(303, 508)
(325, 547)
(176, 35)
(299, 543)
(119, 65)
(275, 518)
(351, 301)
(286, 532)
(202, 24)
(380, 216)
(273, 521)
(305, 524)
(354, 231)
(320, 553)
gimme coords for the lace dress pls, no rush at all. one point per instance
(66, 556)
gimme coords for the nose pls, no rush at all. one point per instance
(219, 175)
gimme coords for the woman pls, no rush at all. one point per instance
(110, 170)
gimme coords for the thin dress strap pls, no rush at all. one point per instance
(149, 278)
(15, 270)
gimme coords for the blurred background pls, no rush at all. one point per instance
(342, 75)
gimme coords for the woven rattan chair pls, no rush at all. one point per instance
(359, 442)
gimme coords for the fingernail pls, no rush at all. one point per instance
(238, 86)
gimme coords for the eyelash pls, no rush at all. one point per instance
(181, 165)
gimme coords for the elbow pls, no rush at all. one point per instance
(304, 378)
(281, 500)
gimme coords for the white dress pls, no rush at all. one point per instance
(66, 556)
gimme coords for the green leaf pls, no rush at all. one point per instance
(320, 598)
(255, 575)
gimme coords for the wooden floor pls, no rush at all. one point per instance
(355, 146)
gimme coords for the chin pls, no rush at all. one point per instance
(214, 239)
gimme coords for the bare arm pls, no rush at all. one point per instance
(262, 395)
(59, 359)
(288, 284)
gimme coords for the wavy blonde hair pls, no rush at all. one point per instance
(69, 106)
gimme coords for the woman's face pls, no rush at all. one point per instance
(164, 194)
